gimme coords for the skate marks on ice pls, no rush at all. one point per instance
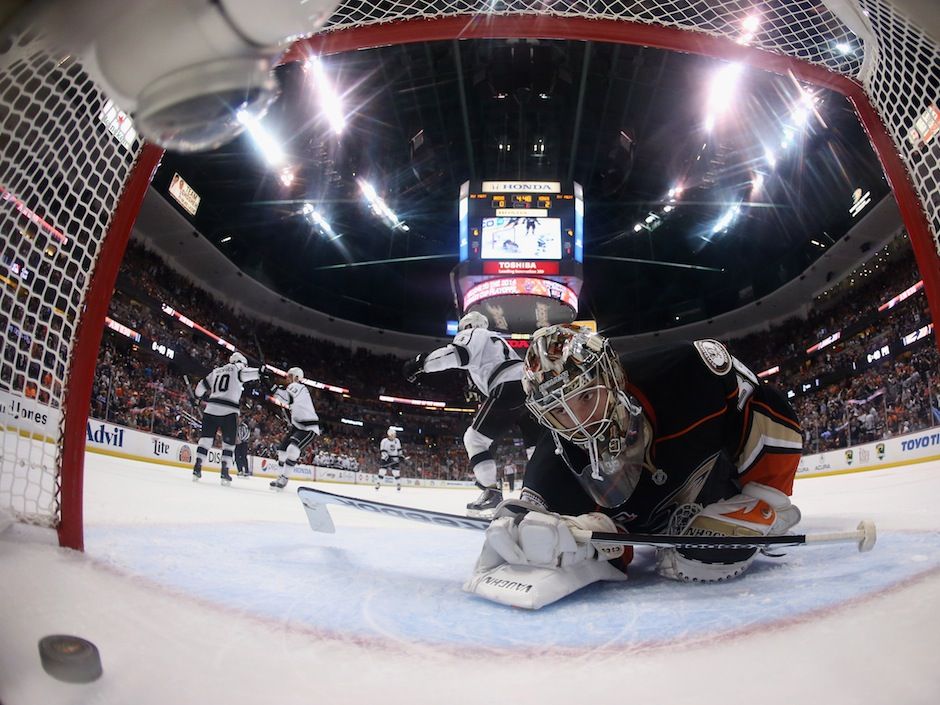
(403, 585)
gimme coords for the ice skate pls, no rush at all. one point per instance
(280, 483)
(486, 503)
(226, 478)
(197, 473)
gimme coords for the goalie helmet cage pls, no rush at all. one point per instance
(73, 174)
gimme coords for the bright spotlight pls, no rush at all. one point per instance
(844, 48)
(637, 228)
(268, 146)
(721, 92)
(726, 219)
(751, 23)
(330, 102)
(380, 208)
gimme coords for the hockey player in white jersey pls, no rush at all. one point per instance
(390, 458)
(305, 424)
(496, 370)
(222, 391)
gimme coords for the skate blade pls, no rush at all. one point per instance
(481, 513)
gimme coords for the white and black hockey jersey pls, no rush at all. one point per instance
(224, 387)
(302, 414)
(390, 449)
(484, 355)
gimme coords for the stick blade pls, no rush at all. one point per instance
(318, 516)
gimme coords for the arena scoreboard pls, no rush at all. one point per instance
(521, 248)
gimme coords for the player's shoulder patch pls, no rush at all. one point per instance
(715, 356)
(463, 337)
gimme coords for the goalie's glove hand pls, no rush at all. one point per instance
(546, 540)
(413, 367)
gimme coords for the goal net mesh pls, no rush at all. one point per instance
(64, 158)
(65, 155)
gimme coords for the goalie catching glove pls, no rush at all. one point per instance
(531, 558)
(758, 511)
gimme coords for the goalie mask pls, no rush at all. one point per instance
(576, 387)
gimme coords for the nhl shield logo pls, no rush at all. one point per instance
(185, 454)
(849, 456)
(880, 451)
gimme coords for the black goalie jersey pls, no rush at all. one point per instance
(714, 428)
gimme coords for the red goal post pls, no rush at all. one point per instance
(72, 175)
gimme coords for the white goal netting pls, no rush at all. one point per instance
(63, 165)
(65, 155)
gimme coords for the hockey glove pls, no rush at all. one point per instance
(413, 367)
(758, 511)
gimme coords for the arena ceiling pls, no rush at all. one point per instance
(750, 175)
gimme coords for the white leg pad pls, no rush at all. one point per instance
(532, 587)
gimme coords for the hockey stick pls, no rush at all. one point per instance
(192, 397)
(318, 515)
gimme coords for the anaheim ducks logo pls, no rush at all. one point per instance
(714, 355)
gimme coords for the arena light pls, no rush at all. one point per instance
(844, 48)
(264, 141)
(770, 371)
(225, 239)
(330, 102)
(726, 219)
(721, 91)
(770, 157)
(379, 207)
(314, 216)
(351, 422)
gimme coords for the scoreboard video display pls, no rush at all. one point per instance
(521, 220)
(521, 248)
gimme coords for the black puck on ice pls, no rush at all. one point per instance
(70, 658)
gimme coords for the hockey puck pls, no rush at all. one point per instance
(70, 658)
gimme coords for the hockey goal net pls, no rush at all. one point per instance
(73, 174)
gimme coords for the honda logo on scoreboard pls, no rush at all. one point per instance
(519, 267)
(521, 187)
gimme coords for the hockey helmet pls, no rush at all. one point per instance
(295, 374)
(237, 358)
(576, 387)
(474, 319)
(391, 432)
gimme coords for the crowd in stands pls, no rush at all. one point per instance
(853, 400)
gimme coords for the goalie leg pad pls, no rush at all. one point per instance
(532, 587)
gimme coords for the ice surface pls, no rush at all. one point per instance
(198, 593)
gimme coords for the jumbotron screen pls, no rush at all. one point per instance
(521, 220)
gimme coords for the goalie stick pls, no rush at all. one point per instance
(318, 515)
